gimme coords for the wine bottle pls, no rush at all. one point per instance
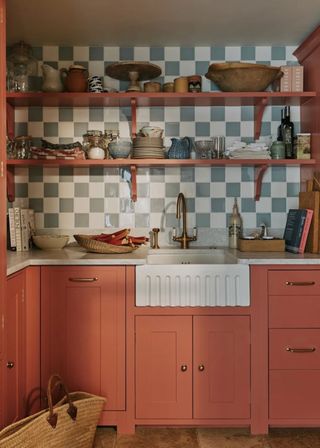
(287, 134)
(279, 134)
(235, 226)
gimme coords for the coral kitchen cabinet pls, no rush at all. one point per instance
(192, 367)
(83, 329)
(294, 340)
(22, 324)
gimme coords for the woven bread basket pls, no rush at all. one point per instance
(98, 247)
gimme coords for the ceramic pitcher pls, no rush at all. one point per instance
(51, 79)
(76, 78)
(180, 148)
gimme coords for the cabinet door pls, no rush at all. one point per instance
(163, 367)
(83, 330)
(221, 370)
(14, 326)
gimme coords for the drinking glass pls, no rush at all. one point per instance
(219, 146)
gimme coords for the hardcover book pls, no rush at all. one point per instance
(295, 228)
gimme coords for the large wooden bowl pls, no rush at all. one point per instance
(243, 77)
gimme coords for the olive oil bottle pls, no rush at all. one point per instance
(235, 226)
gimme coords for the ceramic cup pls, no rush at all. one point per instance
(95, 84)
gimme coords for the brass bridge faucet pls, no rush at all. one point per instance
(184, 238)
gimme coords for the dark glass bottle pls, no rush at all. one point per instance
(279, 135)
(287, 134)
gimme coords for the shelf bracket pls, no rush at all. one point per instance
(10, 184)
(10, 121)
(258, 114)
(133, 170)
(133, 102)
(259, 171)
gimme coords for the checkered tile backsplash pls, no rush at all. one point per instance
(93, 198)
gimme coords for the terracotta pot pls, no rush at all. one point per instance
(75, 78)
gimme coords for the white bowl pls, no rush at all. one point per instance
(50, 242)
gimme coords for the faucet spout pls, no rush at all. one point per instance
(182, 209)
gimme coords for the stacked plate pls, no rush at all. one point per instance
(148, 148)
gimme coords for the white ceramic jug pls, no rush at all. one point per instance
(51, 79)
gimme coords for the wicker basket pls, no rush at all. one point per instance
(98, 247)
(70, 423)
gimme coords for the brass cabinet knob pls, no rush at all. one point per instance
(201, 367)
(184, 368)
(10, 364)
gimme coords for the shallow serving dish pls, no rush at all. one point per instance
(243, 77)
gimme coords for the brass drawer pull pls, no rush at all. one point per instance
(184, 368)
(300, 283)
(301, 350)
(201, 367)
(83, 279)
(10, 364)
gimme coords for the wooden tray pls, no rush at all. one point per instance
(275, 245)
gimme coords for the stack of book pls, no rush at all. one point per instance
(297, 229)
(21, 226)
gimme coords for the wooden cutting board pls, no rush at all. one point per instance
(311, 200)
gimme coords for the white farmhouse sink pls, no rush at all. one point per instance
(190, 256)
(192, 277)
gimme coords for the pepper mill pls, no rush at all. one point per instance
(155, 232)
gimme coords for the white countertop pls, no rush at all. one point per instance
(78, 256)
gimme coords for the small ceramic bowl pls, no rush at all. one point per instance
(151, 131)
(120, 149)
(50, 242)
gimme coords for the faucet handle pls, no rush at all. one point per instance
(195, 232)
(174, 232)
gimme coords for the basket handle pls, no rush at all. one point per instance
(54, 381)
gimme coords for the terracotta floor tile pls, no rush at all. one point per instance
(159, 438)
(208, 438)
(294, 438)
(105, 438)
(230, 438)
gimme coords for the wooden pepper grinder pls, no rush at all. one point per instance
(155, 232)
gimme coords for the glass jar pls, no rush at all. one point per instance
(93, 139)
(22, 64)
(22, 146)
(278, 150)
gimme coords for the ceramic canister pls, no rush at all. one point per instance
(181, 84)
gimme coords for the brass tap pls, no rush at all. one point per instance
(183, 238)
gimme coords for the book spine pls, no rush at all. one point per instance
(12, 230)
(17, 224)
(24, 229)
(297, 79)
(285, 80)
(31, 225)
(305, 231)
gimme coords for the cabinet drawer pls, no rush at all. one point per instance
(294, 394)
(294, 311)
(294, 349)
(295, 282)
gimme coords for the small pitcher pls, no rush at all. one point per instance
(51, 79)
(76, 78)
(180, 148)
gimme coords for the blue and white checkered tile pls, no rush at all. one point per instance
(80, 198)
